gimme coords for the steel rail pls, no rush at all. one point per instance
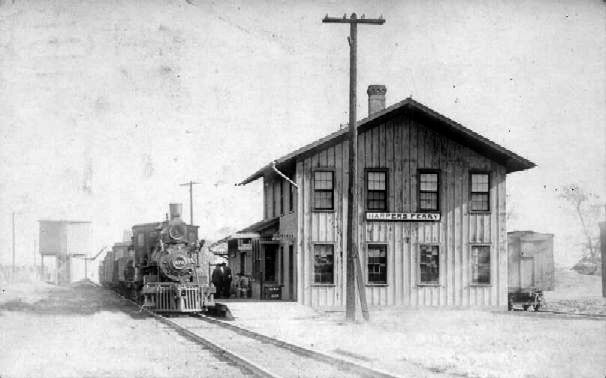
(341, 363)
(554, 312)
(247, 364)
(581, 314)
(219, 351)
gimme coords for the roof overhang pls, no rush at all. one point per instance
(245, 235)
(440, 123)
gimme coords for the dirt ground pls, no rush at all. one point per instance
(576, 292)
(46, 331)
(84, 331)
(463, 343)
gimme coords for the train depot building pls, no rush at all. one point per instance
(431, 215)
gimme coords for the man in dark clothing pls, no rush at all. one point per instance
(217, 279)
(226, 281)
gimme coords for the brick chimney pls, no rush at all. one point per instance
(376, 98)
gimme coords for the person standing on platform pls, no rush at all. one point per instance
(217, 280)
(226, 281)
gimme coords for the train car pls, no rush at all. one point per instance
(100, 272)
(168, 276)
(530, 268)
(123, 255)
(108, 269)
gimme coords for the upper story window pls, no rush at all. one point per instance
(291, 197)
(274, 206)
(480, 192)
(429, 192)
(376, 190)
(323, 190)
(281, 197)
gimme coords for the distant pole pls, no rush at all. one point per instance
(35, 266)
(603, 251)
(191, 200)
(352, 196)
(13, 245)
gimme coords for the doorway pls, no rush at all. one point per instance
(269, 268)
(291, 273)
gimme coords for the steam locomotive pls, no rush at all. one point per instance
(162, 267)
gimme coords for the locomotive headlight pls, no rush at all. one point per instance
(179, 262)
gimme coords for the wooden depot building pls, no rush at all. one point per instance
(431, 214)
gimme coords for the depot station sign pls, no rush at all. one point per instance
(403, 217)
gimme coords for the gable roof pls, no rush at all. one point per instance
(441, 124)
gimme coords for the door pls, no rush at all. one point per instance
(291, 273)
(269, 264)
(526, 273)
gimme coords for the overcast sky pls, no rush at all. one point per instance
(107, 106)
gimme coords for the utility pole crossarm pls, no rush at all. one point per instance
(344, 20)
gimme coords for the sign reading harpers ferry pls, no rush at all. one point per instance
(403, 217)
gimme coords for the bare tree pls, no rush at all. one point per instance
(587, 207)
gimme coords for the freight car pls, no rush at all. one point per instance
(161, 268)
(530, 268)
(106, 277)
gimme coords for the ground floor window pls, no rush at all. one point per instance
(429, 264)
(480, 264)
(377, 263)
(324, 263)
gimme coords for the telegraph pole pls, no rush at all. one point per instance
(353, 260)
(13, 245)
(191, 201)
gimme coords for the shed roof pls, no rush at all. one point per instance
(261, 226)
(440, 123)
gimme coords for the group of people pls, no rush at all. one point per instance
(221, 278)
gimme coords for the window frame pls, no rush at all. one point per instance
(291, 200)
(282, 197)
(428, 283)
(471, 283)
(425, 171)
(366, 190)
(380, 284)
(274, 208)
(313, 189)
(313, 264)
(471, 192)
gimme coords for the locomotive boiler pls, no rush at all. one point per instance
(166, 273)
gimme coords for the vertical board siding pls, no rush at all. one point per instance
(403, 146)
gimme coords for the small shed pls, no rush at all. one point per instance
(530, 261)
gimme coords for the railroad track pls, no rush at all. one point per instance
(554, 312)
(580, 314)
(257, 354)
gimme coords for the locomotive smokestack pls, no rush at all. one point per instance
(175, 210)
